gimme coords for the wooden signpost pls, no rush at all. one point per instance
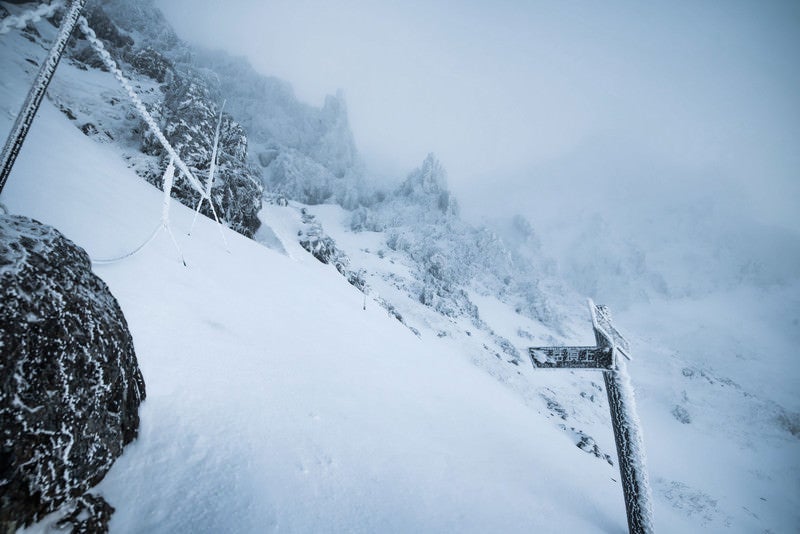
(627, 435)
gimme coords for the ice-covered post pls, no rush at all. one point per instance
(31, 105)
(627, 435)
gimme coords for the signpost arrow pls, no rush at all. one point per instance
(627, 435)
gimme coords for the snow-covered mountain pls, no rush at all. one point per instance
(399, 396)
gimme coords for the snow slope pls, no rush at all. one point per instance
(277, 403)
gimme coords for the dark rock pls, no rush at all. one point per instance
(85, 56)
(789, 421)
(70, 385)
(117, 42)
(681, 414)
(89, 129)
(151, 63)
(555, 407)
(323, 247)
(320, 245)
(89, 514)
(31, 30)
(586, 443)
(68, 112)
(106, 30)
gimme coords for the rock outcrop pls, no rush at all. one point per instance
(190, 119)
(70, 384)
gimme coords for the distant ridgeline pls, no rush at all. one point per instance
(274, 147)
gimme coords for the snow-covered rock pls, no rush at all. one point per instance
(314, 240)
(294, 175)
(151, 63)
(70, 384)
(421, 219)
(190, 118)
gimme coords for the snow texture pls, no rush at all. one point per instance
(276, 401)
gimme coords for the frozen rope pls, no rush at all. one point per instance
(210, 182)
(24, 120)
(107, 261)
(169, 177)
(168, 181)
(211, 170)
(163, 224)
(32, 15)
(112, 66)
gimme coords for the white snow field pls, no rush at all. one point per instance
(277, 403)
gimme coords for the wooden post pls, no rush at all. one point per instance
(627, 435)
(31, 105)
(630, 451)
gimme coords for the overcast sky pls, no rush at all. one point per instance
(534, 102)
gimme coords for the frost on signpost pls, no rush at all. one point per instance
(627, 435)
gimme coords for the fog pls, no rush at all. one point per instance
(649, 115)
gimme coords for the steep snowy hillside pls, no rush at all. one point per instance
(281, 397)
(276, 402)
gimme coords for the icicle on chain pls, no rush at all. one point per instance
(37, 91)
(112, 66)
(32, 15)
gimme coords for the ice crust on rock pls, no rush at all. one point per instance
(70, 384)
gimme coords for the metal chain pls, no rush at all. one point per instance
(30, 106)
(137, 102)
